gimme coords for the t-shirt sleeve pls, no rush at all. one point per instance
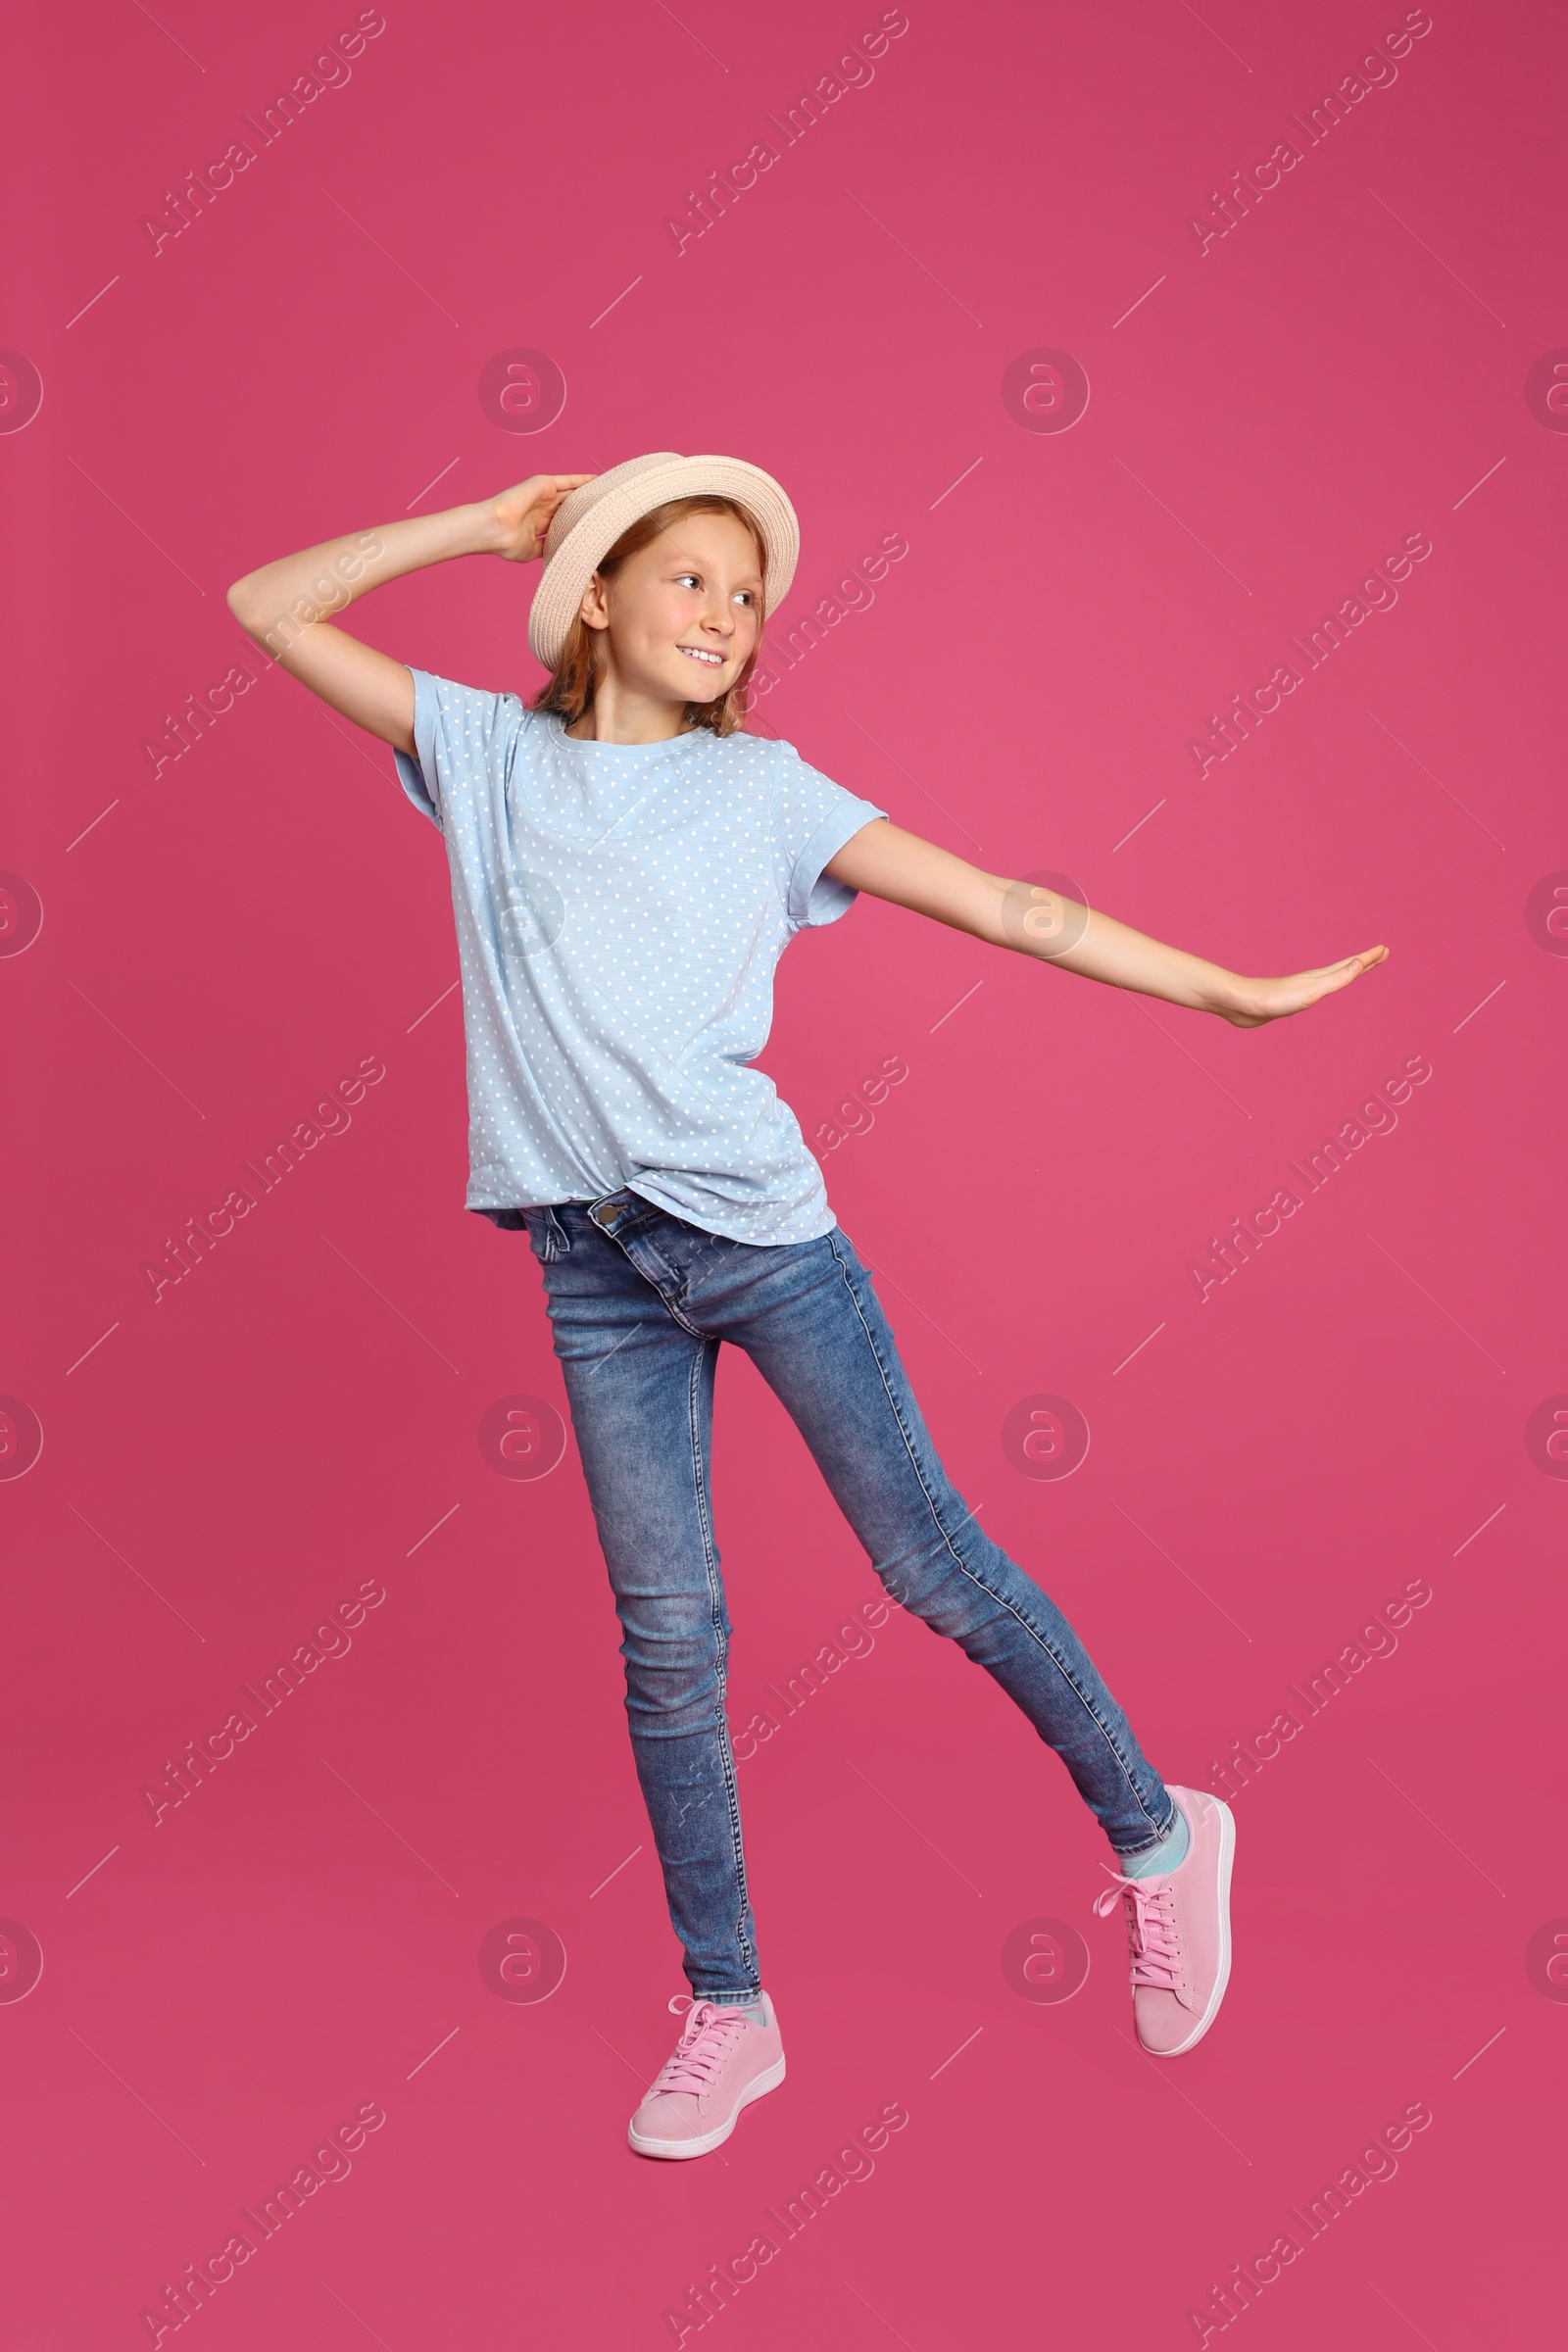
(460, 735)
(812, 819)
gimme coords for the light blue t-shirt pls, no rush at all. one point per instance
(620, 908)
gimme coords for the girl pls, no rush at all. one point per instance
(627, 867)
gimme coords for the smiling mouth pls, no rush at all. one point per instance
(694, 653)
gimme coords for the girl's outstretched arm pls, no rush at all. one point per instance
(284, 605)
(890, 863)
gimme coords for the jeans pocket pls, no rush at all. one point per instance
(547, 1237)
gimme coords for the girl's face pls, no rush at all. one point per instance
(684, 612)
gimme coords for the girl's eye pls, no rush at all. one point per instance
(743, 595)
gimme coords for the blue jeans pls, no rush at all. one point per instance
(639, 1302)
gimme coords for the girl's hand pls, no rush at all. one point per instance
(1254, 1002)
(523, 515)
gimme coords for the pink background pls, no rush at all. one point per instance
(220, 943)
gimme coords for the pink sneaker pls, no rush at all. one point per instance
(1179, 1931)
(721, 2062)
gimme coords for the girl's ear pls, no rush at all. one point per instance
(593, 610)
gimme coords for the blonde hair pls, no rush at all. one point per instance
(571, 685)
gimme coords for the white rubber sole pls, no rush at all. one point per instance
(770, 2081)
(1227, 1855)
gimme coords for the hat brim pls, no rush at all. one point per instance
(587, 538)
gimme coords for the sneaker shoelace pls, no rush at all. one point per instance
(708, 2035)
(1152, 1938)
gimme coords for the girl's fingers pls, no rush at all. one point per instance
(1339, 975)
(1347, 964)
(1301, 989)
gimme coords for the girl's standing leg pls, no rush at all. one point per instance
(640, 1382)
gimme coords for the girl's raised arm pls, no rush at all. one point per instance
(283, 606)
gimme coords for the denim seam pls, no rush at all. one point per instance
(671, 1308)
(721, 1658)
(965, 1570)
(1133, 1851)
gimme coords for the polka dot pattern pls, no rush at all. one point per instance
(621, 910)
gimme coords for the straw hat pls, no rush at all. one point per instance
(591, 519)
